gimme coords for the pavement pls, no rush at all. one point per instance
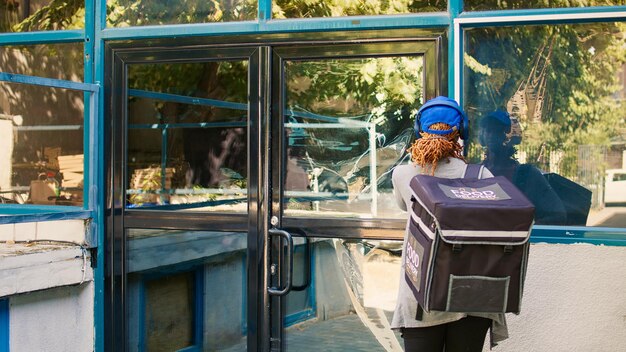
(344, 333)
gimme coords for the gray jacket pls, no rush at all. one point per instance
(406, 306)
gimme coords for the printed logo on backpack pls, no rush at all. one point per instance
(413, 257)
(490, 192)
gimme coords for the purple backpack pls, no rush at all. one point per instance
(467, 248)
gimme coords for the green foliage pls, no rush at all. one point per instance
(336, 8)
(384, 91)
(580, 78)
(482, 5)
(59, 14)
(122, 13)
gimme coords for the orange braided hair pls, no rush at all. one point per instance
(431, 148)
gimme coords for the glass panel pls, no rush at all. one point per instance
(349, 302)
(186, 289)
(187, 139)
(564, 139)
(337, 8)
(60, 61)
(482, 5)
(41, 145)
(41, 15)
(348, 123)
(124, 13)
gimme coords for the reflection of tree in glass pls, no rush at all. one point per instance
(69, 14)
(484, 5)
(570, 71)
(385, 92)
(327, 8)
(123, 13)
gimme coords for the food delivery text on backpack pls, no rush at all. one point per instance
(467, 247)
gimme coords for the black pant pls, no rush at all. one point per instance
(465, 335)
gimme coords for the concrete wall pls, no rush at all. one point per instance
(59, 319)
(574, 300)
(49, 286)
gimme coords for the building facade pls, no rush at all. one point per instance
(181, 176)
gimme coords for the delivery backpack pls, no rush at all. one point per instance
(467, 246)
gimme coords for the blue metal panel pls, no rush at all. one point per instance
(45, 37)
(299, 317)
(198, 317)
(429, 20)
(37, 217)
(23, 213)
(179, 30)
(186, 99)
(454, 8)
(98, 173)
(212, 102)
(543, 16)
(89, 36)
(48, 82)
(567, 235)
(608, 10)
(4, 325)
(92, 152)
(265, 10)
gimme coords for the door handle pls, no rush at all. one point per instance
(277, 291)
(296, 232)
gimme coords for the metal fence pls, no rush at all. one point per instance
(583, 164)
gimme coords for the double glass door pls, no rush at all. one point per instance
(250, 196)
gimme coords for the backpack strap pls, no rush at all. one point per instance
(473, 171)
(419, 314)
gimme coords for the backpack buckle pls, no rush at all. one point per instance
(456, 247)
(508, 248)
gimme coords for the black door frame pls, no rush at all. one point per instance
(265, 134)
(332, 227)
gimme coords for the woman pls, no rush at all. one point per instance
(437, 151)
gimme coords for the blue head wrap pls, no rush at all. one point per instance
(441, 109)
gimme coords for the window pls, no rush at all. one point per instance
(41, 159)
(543, 106)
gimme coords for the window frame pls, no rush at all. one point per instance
(509, 18)
(32, 213)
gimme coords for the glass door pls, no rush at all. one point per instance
(250, 204)
(184, 242)
(342, 120)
